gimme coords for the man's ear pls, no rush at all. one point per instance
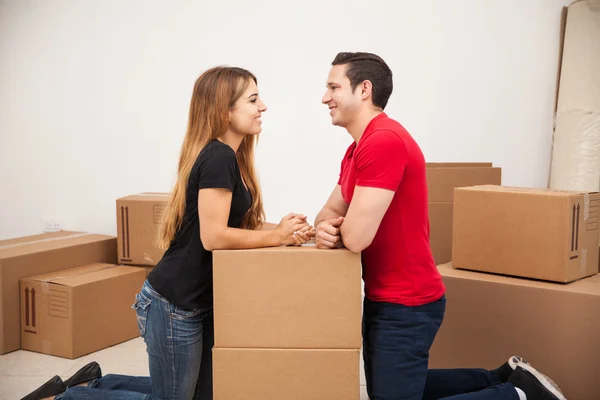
(366, 89)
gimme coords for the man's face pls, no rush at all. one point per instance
(343, 104)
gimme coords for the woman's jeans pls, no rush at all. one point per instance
(179, 345)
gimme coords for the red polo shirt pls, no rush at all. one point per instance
(398, 266)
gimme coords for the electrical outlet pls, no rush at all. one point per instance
(53, 224)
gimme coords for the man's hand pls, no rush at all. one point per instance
(328, 234)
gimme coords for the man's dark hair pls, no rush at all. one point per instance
(368, 67)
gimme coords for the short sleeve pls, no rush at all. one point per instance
(380, 161)
(218, 169)
(345, 162)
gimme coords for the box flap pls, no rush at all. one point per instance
(307, 247)
(526, 190)
(458, 164)
(35, 238)
(51, 241)
(78, 276)
(146, 196)
(589, 285)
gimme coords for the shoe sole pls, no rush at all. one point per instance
(544, 380)
(515, 361)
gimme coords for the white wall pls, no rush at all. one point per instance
(94, 94)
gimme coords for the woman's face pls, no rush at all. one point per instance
(244, 117)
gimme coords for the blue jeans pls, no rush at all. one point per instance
(113, 387)
(467, 384)
(480, 384)
(179, 345)
(396, 343)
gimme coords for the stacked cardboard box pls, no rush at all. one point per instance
(536, 291)
(554, 326)
(138, 218)
(531, 233)
(287, 324)
(31, 255)
(76, 311)
(442, 179)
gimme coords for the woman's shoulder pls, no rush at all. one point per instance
(216, 149)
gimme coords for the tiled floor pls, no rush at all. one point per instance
(22, 371)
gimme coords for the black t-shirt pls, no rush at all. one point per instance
(184, 276)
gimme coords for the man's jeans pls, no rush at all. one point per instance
(467, 384)
(396, 343)
(179, 345)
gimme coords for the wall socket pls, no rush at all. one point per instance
(53, 224)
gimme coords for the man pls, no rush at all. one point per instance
(379, 208)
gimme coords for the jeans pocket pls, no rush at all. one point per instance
(181, 314)
(141, 306)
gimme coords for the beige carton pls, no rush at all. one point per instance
(290, 374)
(555, 326)
(138, 218)
(77, 311)
(442, 178)
(532, 233)
(38, 254)
(288, 298)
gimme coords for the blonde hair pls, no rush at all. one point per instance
(215, 93)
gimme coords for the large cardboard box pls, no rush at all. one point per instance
(248, 374)
(554, 326)
(442, 178)
(287, 298)
(532, 233)
(138, 218)
(39, 254)
(76, 311)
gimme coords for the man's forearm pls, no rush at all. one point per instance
(326, 214)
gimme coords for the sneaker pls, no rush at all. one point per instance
(535, 384)
(506, 369)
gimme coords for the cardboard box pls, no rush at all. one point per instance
(147, 270)
(248, 374)
(554, 326)
(440, 228)
(76, 311)
(138, 218)
(442, 178)
(532, 233)
(287, 298)
(39, 254)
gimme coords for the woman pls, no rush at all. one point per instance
(216, 204)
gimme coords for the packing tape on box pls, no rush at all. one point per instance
(76, 235)
(46, 346)
(50, 280)
(153, 194)
(583, 261)
(148, 257)
(586, 206)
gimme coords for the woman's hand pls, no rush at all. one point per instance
(304, 235)
(288, 229)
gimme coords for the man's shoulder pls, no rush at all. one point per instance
(389, 125)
